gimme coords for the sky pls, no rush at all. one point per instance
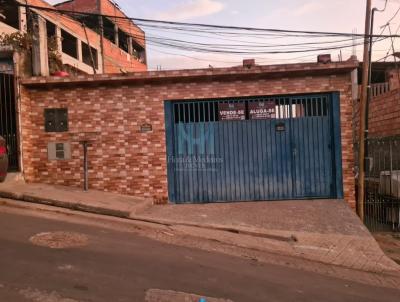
(314, 15)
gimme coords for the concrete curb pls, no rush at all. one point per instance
(388, 279)
(129, 215)
(289, 240)
(222, 228)
(64, 204)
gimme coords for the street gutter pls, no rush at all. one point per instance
(132, 216)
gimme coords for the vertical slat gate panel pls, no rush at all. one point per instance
(320, 120)
(288, 156)
(312, 147)
(279, 146)
(272, 174)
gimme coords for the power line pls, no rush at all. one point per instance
(394, 16)
(388, 25)
(200, 25)
(394, 57)
(267, 32)
(203, 47)
(235, 48)
(392, 42)
(238, 61)
(220, 37)
(222, 48)
(184, 43)
(219, 32)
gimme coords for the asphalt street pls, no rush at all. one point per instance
(117, 266)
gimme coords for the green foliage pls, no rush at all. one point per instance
(18, 40)
(22, 42)
(55, 62)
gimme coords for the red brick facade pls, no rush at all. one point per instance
(384, 115)
(110, 109)
(105, 7)
(115, 59)
(71, 24)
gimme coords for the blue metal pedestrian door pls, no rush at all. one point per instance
(256, 148)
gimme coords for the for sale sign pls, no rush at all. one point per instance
(232, 111)
(261, 110)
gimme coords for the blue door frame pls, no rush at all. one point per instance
(295, 154)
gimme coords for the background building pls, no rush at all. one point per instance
(90, 44)
(123, 44)
(42, 41)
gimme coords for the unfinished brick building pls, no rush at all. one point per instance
(53, 42)
(83, 44)
(123, 43)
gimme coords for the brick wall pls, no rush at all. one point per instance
(109, 9)
(384, 115)
(89, 6)
(67, 22)
(110, 109)
(115, 60)
(394, 78)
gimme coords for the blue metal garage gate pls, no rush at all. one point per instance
(254, 148)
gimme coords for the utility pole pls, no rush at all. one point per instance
(363, 111)
(101, 29)
(90, 49)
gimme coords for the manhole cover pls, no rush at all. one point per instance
(36, 295)
(59, 240)
(158, 295)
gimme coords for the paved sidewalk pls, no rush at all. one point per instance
(74, 198)
(327, 231)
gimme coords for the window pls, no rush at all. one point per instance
(109, 29)
(51, 29)
(256, 108)
(69, 44)
(311, 106)
(56, 120)
(60, 151)
(123, 40)
(9, 9)
(194, 112)
(138, 52)
(90, 21)
(86, 56)
(51, 34)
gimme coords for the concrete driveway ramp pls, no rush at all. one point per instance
(159, 295)
(326, 231)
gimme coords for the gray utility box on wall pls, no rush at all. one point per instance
(59, 151)
(389, 183)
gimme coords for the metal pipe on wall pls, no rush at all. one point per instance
(85, 166)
